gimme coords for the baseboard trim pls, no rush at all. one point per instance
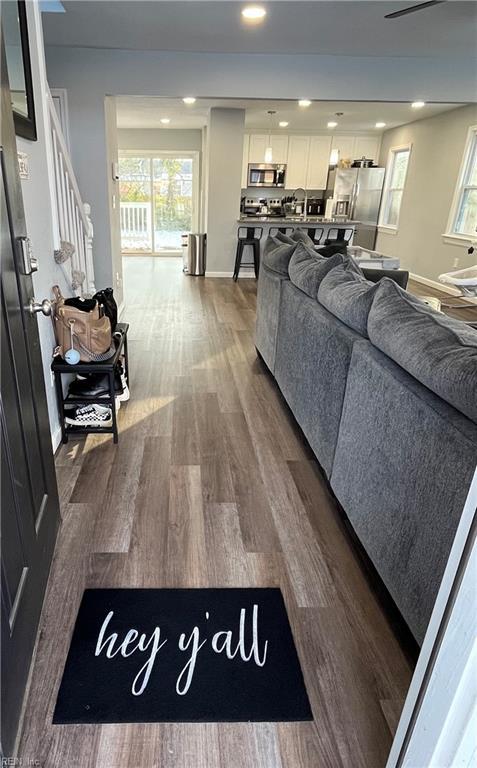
(230, 274)
(445, 288)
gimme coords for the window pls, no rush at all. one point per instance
(463, 218)
(394, 186)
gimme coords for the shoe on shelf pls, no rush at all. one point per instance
(124, 397)
(95, 385)
(93, 415)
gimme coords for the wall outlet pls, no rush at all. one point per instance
(456, 262)
(119, 280)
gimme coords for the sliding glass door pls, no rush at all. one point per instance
(158, 193)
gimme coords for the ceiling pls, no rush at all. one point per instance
(146, 112)
(334, 27)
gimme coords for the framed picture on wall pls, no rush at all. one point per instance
(15, 32)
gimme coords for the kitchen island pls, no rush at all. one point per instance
(299, 222)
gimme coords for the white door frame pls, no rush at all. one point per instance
(194, 155)
(443, 686)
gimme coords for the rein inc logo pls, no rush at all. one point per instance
(17, 761)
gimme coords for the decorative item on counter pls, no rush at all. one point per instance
(345, 162)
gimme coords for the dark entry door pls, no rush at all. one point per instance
(29, 497)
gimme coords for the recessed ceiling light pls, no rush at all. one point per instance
(253, 13)
(304, 103)
(165, 120)
(332, 124)
(283, 123)
(418, 104)
(189, 99)
(380, 125)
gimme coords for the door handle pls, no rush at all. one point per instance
(40, 306)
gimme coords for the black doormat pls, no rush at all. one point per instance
(182, 655)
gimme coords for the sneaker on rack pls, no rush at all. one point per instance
(125, 395)
(93, 415)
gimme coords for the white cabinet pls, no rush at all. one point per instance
(345, 146)
(318, 162)
(258, 145)
(367, 146)
(355, 147)
(297, 164)
(246, 148)
(279, 149)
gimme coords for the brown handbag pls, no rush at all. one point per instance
(89, 332)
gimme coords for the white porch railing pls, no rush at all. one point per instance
(74, 220)
(136, 225)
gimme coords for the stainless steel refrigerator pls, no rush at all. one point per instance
(356, 193)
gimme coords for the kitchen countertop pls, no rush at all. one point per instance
(297, 220)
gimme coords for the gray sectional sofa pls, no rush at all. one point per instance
(385, 391)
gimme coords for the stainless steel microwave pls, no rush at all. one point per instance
(266, 175)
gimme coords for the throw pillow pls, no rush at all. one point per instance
(348, 296)
(284, 238)
(307, 270)
(277, 255)
(299, 235)
(437, 350)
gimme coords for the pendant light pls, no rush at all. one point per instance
(269, 150)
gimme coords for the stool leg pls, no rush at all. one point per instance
(238, 260)
(256, 258)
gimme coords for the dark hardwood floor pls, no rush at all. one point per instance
(212, 485)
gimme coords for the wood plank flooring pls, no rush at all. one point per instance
(212, 485)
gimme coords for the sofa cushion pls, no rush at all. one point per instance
(307, 270)
(439, 352)
(276, 255)
(330, 250)
(299, 235)
(348, 295)
(284, 238)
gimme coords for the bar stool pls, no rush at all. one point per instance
(343, 235)
(283, 230)
(248, 236)
(315, 234)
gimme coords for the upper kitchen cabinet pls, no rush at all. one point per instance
(297, 165)
(367, 146)
(257, 147)
(318, 162)
(246, 150)
(355, 147)
(259, 143)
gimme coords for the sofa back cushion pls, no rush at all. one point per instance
(283, 238)
(277, 255)
(307, 270)
(300, 236)
(439, 352)
(347, 294)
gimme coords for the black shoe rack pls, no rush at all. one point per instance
(60, 367)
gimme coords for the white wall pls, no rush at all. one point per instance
(224, 169)
(113, 196)
(39, 213)
(90, 74)
(160, 139)
(438, 145)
